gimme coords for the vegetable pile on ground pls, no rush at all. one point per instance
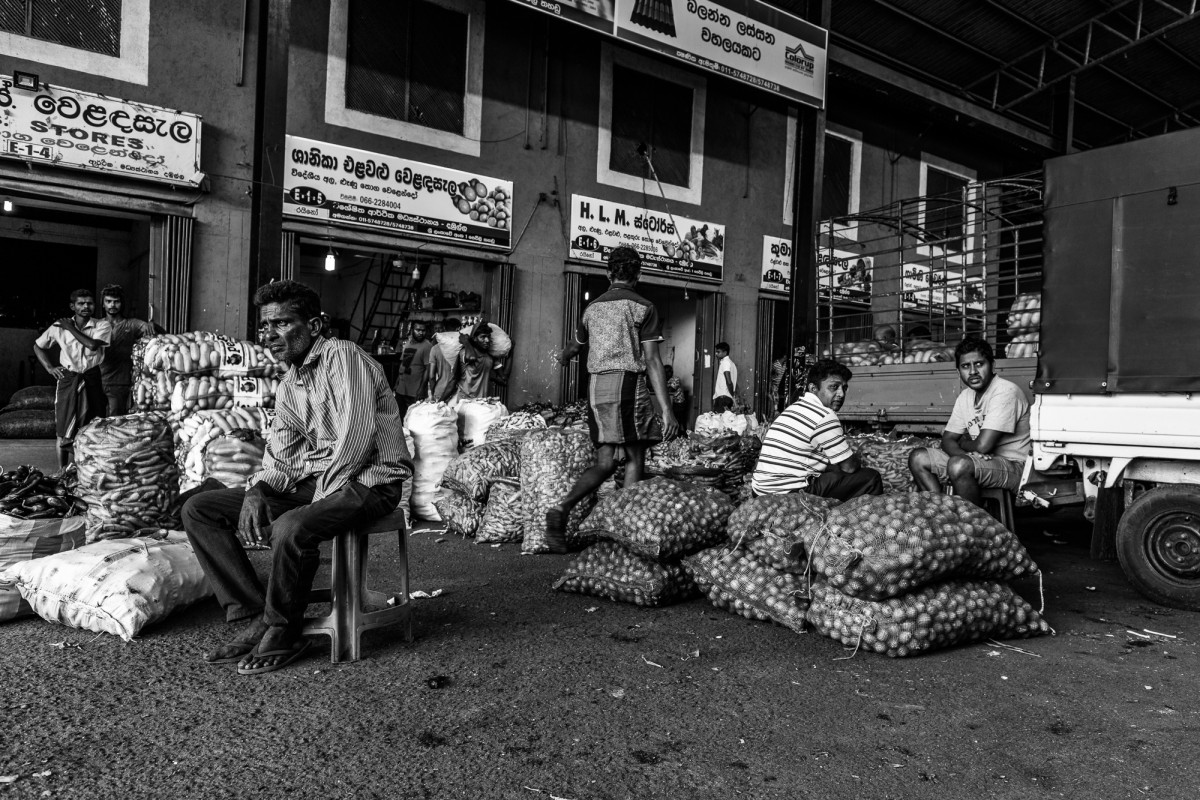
(466, 484)
(551, 461)
(648, 528)
(890, 457)
(127, 475)
(26, 493)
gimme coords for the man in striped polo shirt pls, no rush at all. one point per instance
(806, 449)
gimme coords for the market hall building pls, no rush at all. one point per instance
(440, 158)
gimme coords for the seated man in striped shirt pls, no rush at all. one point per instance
(806, 450)
(335, 459)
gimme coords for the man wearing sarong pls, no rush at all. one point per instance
(79, 396)
(335, 460)
(621, 331)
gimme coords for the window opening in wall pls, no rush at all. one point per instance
(92, 25)
(655, 112)
(400, 62)
(946, 213)
(836, 183)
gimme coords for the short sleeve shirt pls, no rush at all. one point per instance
(73, 355)
(415, 359)
(117, 368)
(1003, 408)
(802, 443)
(614, 327)
(721, 389)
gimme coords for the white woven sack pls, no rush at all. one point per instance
(115, 586)
(474, 417)
(27, 539)
(501, 342)
(434, 429)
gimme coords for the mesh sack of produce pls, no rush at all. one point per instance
(722, 452)
(474, 417)
(504, 517)
(233, 458)
(27, 539)
(205, 353)
(606, 569)
(738, 582)
(434, 429)
(775, 527)
(115, 587)
(472, 472)
(195, 431)
(937, 616)
(461, 514)
(886, 546)
(28, 423)
(127, 475)
(515, 426)
(1025, 315)
(551, 460)
(202, 392)
(889, 457)
(660, 519)
(32, 398)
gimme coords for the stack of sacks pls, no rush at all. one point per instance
(646, 530)
(467, 482)
(434, 430)
(188, 372)
(29, 414)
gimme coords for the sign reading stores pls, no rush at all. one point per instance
(331, 183)
(676, 246)
(82, 130)
(746, 40)
(844, 276)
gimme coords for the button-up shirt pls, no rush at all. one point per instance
(335, 417)
(71, 352)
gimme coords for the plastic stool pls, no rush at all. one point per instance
(349, 595)
(1001, 497)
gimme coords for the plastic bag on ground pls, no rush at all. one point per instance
(551, 460)
(127, 475)
(741, 584)
(936, 616)
(660, 519)
(608, 570)
(115, 587)
(504, 516)
(434, 430)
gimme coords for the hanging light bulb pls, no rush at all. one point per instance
(8, 206)
(330, 262)
(685, 294)
(416, 272)
(587, 296)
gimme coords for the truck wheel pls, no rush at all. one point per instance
(1158, 545)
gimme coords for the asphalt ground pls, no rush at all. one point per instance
(514, 690)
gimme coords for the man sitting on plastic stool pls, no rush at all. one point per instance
(335, 460)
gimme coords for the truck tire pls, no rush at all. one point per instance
(1158, 545)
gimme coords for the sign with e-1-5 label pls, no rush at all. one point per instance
(843, 275)
(83, 130)
(332, 183)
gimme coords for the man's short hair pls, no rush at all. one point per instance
(298, 297)
(722, 403)
(974, 344)
(113, 290)
(828, 368)
(722, 346)
(451, 324)
(624, 264)
(78, 293)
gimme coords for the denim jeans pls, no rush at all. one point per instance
(299, 527)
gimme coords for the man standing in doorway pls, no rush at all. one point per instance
(79, 397)
(473, 372)
(621, 331)
(116, 371)
(725, 384)
(413, 382)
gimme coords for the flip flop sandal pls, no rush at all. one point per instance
(243, 648)
(294, 652)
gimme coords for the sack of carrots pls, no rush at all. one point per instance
(127, 475)
(234, 457)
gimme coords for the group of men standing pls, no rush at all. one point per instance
(450, 365)
(94, 373)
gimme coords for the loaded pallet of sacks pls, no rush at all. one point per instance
(644, 532)
(187, 372)
(465, 487)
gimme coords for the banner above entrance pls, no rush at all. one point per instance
(669, 245)
(92, 132)
(746, 40)
(328, 182)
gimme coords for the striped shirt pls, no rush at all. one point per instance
(614, 327)
(335, 417)
(801, 444)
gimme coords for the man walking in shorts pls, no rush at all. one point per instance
(986, 441)
(621, 331)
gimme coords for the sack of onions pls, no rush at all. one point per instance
(551, 460)
(660, 519)
(608, 570)
(741, 584)
(774, 527)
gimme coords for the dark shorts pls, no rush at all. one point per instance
(619, 409)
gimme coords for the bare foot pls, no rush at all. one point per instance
(245, 641)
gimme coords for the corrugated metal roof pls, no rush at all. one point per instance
(1132, 66)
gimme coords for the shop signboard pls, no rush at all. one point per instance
(844, 276)
(335, 184)
(96, 133)
(669, 244)
(746, 40)
(941, 291)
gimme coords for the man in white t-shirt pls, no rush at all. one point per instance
(805, 450)
(986, 441)
(725, 384)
